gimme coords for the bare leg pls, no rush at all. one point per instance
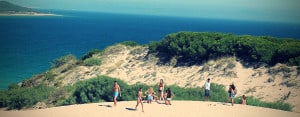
(115, 101)
(228, 98)
(161, 97)
(232, 101)
(137, 104)
(142, 106)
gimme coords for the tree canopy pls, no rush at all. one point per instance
(198, 47)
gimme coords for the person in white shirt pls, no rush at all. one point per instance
(207, 89)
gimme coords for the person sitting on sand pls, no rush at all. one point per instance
(232, 91)
(169, 96)
(243, 101)
(116, 92)
(140, 99)
(150, 95)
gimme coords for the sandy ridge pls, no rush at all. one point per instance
(133, 65)
(177, 109)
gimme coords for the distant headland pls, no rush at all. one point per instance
(9, 9)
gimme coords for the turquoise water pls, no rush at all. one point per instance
(29, 44)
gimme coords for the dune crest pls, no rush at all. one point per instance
(177, 109)
(134, 64)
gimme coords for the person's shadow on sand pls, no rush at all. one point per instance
(108, 106)
(225, 104)
(131, 109)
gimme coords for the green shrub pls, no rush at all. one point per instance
(24, 97)
(92, 61)
(13, 86)
(62, 60)
(186, 93)
(130, 43)
(90, 91)
(199, 47)
(100, 89)
(3, 98)
(218, 93)
(274, 105)
(90, 54)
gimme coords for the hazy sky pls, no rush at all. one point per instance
(266, 10)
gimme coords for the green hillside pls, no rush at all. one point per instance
(198, 47)
(9, 7)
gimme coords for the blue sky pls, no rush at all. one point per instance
(261, 10)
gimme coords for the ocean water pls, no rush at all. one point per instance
(29, 44)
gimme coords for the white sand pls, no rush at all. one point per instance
(177, 109)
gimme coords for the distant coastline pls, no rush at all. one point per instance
(27, 14)
(9, 9)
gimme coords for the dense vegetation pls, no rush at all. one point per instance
(275, 105)
(197, 47)
(100, 89)
(130, 43)
(8, 7)
(90, 54)
(18, 98)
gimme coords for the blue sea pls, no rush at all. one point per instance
(29, 44)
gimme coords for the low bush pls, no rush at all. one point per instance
(274, 105)
(92, 61)
(62, 60)
(24, 97)
(100, 89)
(130, 43)
(90, 54)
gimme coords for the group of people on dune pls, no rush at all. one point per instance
(232, 91)
(168, 94)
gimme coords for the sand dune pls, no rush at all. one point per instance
(134, 65)
(177, 109)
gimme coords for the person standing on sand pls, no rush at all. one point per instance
(116, 92)
(232, 92)
(207, 89)
(161, 87)
(140, 99)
